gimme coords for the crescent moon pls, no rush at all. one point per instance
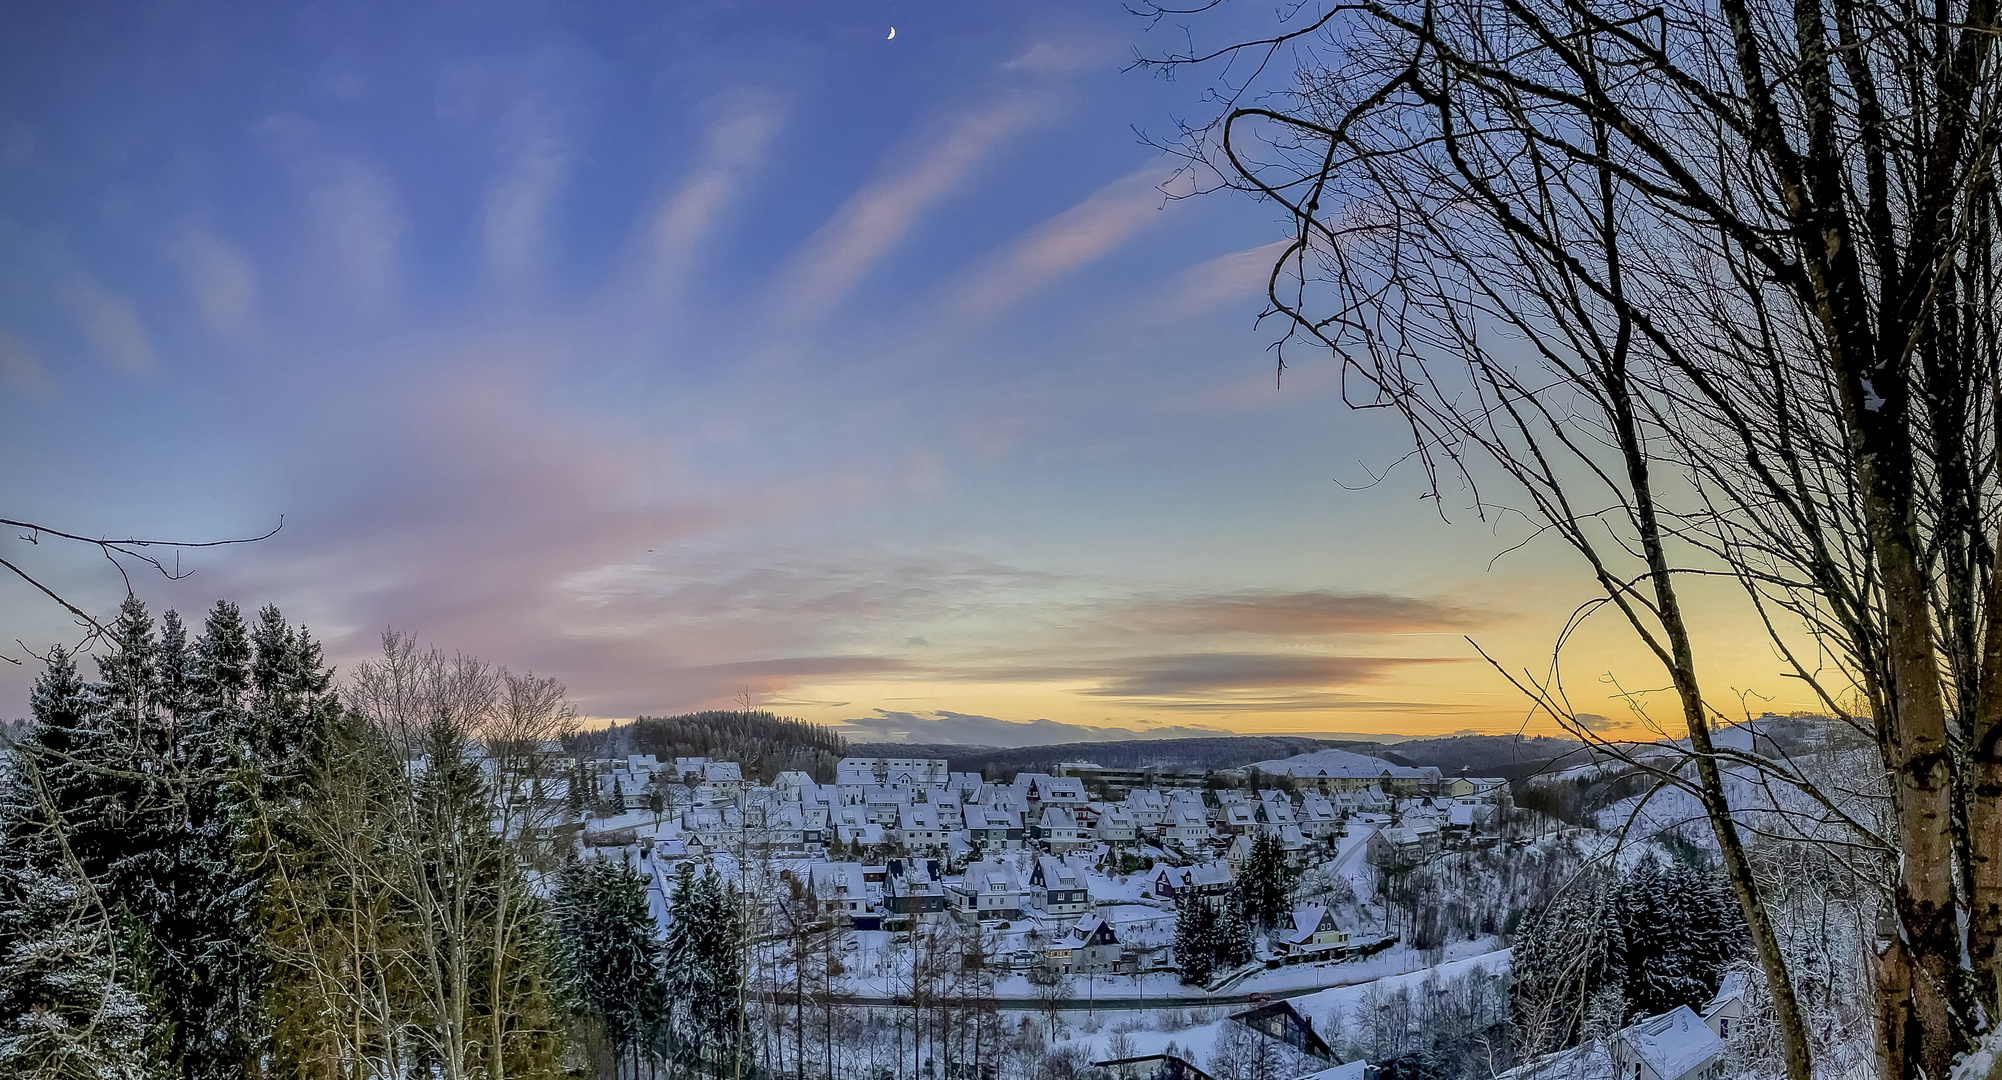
(893, 34)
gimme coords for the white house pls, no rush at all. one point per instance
(1727, 1009)
(1311, 932)
(1677, 1045)
(1147, 807)
(1187, 828)
(840, 888)
(1116, 825)
(990, 889)
(1059, 829)
(1090, 946)
(918, 827)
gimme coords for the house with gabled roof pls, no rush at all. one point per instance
(1153, 1067)
(1147, 808)
(1059, 829)
(1187, 829)
(1175, 882)
(1318, 816)
(919, 829)
(994, 830)
(1088, 947)
(1677, 1045)
(990, 889)
(1311, 932)
(1059, 889)
(1116, 825)
(1727, 1007)
(912, 888)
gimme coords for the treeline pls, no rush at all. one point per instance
(765, 743)
(1616, 948)
(1199, 754)
(212, 866)
(1511, 757)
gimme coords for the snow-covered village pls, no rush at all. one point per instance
(1326, 915)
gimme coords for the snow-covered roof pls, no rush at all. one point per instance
(981, 874)
(1306, 920)
(1672, 1044)
(1730, 988)
(1214, 873)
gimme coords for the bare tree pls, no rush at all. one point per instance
(469, 948)
(120, 552)
(1053, 990)
(1714, 291)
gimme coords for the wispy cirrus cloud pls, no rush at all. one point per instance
(21, 368)
(514, 225)
(1198, 674)
(358, 232)
(873, 220)
(1209, 284)
(110, 323)
(223, 282)
(1081, 235)
(734, 146)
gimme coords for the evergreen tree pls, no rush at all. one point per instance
(1710, 926)
(1195, 946)
(1569, 961)
(68, 1006)
(612, 950)
(704, 957)
(200, 910)
(1233, 937)
(1659, 975)
(1263, 883)
(65, 822)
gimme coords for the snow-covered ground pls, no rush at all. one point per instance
(1194, 1029)
(1394, 961)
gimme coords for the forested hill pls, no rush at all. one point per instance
(1510, 757)
(1220, 752)
(766, 743)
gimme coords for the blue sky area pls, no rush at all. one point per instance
(683, 351)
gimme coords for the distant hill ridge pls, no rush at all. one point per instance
(1219, 752)
(1510, 757)
(1337, 761)
(766, 743)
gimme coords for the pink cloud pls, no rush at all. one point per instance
(873, 220)
(110, 323)
(1081, 235)
(733, 147)
(20, 367)
(1207, 285)
(223, 282)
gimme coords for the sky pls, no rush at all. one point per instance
(702, 353)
